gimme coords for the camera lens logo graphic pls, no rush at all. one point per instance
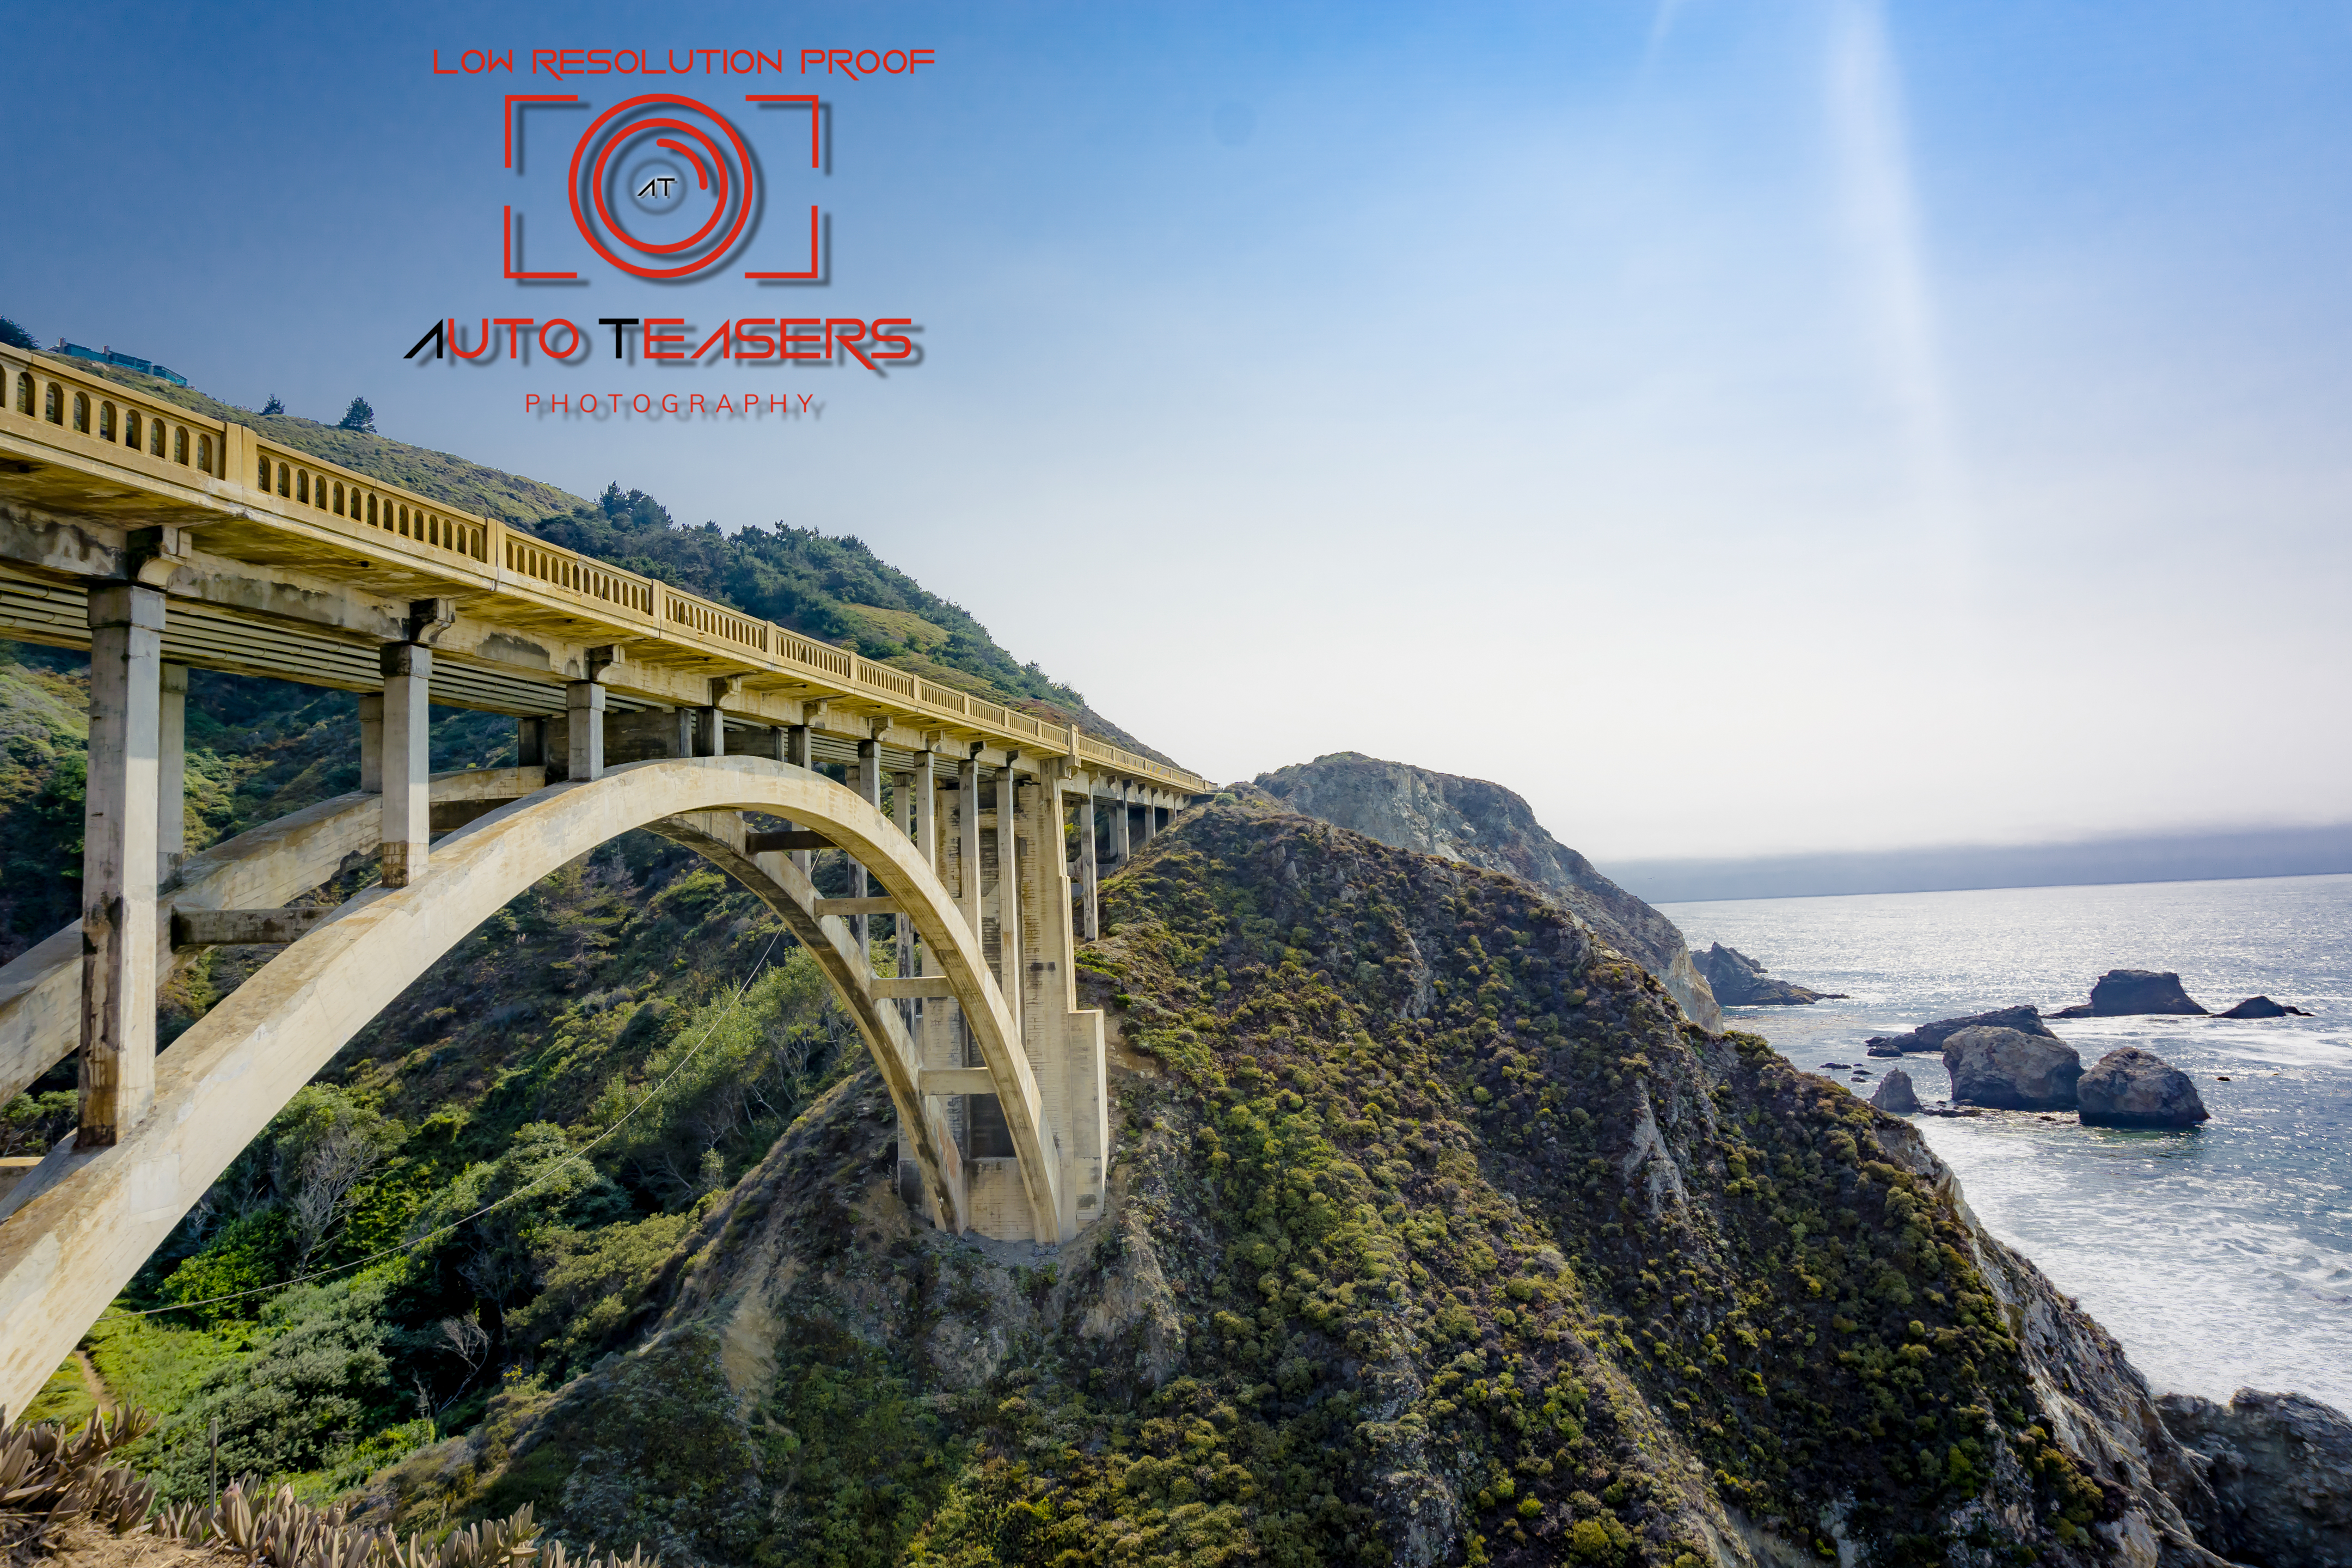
(673, 168)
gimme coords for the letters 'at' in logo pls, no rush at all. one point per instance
(663, 186)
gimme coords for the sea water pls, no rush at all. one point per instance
(2220, 1257)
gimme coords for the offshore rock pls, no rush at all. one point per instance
(2280, 1466)
(2026, 1020)
(1738, 981)
(2009, 1069)
(1484, 825)
(2133, 1087)
(1896, 1096)
(2263, 1008)
(2132, 994)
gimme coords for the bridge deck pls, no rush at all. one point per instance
(282, 564)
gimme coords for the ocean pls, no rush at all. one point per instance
(2221, 1258)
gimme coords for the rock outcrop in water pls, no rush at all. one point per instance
(2025, 1020)
(2133, 994)
(2280, 1468)
(1896, 1096)
(1484, 825)
(2009, 1069)
(1738, 981)
(2133, 1087)
(2263, 1008)
(1434, 1237)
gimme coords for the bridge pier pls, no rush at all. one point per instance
(1008, 887)
(119, 815)
(170, 770)
(1089, 871)
(868, 782)
(1122, 842)
(584, 729)
(407, 761)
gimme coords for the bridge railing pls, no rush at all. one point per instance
(62, 406)
(102, 419)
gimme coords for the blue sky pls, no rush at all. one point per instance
(1740, 428)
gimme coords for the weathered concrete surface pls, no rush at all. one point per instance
(67, 1252)
(40, 989)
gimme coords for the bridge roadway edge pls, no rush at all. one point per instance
(69, 1250)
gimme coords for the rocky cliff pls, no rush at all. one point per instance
(1436, 1236)
(1487, 825)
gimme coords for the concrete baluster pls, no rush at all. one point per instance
(118, 875)
(407, 766)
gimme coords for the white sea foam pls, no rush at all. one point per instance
(2221, 1258)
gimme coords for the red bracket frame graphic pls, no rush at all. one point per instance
(506, 219)
(515, 98)
(507, 241)
(816, 160)
(816, 116)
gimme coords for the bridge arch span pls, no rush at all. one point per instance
(98, 1214)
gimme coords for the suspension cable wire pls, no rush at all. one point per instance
(554, 1169)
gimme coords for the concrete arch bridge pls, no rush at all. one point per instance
(160, 540)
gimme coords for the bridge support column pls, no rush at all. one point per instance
(1122, 843)
(172, 770)
(371, 744)
(1150, 819)
(584, 728)
(868, 785)
(407, 764)
(902, 812)
(709, 732)
(924, 785)
(800, 752)
(118, 864)
(967, 894)
(1065, 1044)
(1008, 889)
(1089, 873)
(531, 742)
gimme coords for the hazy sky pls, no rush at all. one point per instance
(1739, 428)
